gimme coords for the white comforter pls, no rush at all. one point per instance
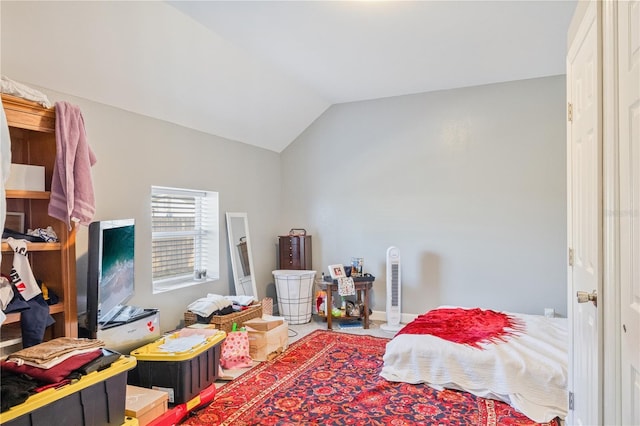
(528, 371)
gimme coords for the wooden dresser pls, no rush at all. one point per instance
(295, 251)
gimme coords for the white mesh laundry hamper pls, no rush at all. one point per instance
(295, 294)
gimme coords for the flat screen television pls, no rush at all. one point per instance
(110, 270)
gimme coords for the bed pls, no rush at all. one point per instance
(516, 358)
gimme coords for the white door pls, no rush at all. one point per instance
(629, 169)
(584, 180)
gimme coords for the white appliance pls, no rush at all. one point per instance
(132, 335)
(394, 291)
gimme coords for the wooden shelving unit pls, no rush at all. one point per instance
(33, 142)
(363, 286)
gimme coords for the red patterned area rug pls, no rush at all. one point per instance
(332, 378)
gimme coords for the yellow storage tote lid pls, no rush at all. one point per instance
(160, 350)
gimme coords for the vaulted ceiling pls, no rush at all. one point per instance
(260, 72)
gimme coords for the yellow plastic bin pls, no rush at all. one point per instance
(182, 374)
(96, 399)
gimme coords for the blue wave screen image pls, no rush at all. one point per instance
(117, 278)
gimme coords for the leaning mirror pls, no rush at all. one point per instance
(240, 254)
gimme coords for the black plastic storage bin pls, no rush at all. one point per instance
(183, 375)
(98, 398)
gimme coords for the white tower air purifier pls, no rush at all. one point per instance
(394, 291)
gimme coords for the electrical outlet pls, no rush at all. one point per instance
(549, 312)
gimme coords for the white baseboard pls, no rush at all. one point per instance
(382, 316)
(378, 316)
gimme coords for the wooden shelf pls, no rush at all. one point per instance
(10, 341)
(14, 317)
(28, 195)
(335, 318)
(33, 247)
(11, 335)
(28, 115)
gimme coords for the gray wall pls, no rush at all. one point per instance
(469, 184)
(135, 152)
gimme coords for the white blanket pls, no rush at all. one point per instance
(528, 371)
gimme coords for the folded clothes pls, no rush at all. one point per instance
(54, 374)
(205, 306)
(52, 363)
(182, 344)
(47, 351)
(206, 332)
(241, 300)
(221, 312)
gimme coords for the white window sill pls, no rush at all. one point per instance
(159, 288)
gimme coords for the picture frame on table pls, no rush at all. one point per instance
(337, 271)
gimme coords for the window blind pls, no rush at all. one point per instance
(179, 219)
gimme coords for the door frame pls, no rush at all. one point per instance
(611, 405)
(609, 303)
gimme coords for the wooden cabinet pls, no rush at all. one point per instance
(33, 142)
(295, 252)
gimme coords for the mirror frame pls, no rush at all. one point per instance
(233, 254)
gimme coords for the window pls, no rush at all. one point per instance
(184, 237)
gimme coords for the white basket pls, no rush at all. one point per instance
(295, 294)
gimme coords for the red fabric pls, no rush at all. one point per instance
(56, 373)
(332, 378)
(466, 326)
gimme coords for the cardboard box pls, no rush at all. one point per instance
(25, 177)
(265, 323)
(145, 404)
(264, 345)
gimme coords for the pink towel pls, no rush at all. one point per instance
(72, 198)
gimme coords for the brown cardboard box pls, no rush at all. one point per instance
(145, 404)
(264, 345)
(264, 323)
